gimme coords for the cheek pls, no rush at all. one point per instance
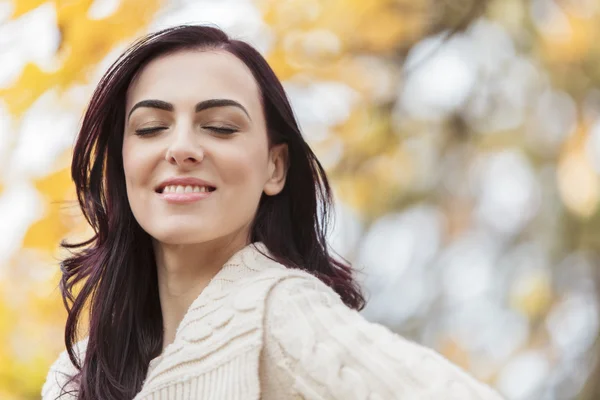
(137, 170)
(244, 168)
(127, 154)
(135, 163)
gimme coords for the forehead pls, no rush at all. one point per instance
(195, 75)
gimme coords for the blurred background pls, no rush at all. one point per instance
(462, 138)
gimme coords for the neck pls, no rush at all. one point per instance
(184, 270)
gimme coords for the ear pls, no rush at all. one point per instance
(278, 167)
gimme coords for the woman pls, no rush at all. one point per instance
(208, 276)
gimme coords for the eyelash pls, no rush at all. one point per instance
(221, 129)
(216, 129)
(147, 131)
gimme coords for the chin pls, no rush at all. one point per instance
(182, 234)
(180, 237)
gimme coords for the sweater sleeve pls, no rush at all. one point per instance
(321, 349)
(57, 385)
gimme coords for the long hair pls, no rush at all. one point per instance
(116, 269)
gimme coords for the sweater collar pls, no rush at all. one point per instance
(246, 261)
(241, 264)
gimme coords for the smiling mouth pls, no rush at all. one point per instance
(185, 189)
(179, 194)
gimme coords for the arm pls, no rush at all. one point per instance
(325, 350)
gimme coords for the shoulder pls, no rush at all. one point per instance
(263, 275)
(301, 286)
(277, 287)
(323, 346)
(59, 374)
(301, 302)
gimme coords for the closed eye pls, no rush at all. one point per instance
(221, 129)
(216, 129)
(147, 131)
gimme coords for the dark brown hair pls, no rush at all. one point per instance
(125, 320)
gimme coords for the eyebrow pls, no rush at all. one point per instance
(203, 105)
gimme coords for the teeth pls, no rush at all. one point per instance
(184, 189)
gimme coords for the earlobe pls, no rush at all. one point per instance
(278, 167)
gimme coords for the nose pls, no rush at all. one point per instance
(183, 150)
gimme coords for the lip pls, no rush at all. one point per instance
(184, 198)
(184, 181)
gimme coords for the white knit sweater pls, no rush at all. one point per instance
(262, 331)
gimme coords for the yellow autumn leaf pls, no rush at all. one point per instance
(365, 133)
(278, 61)
(88, 41)
(21, 7)
(374, 187)
(532, 294)
(293, 14)
(56, 186)
(572, 43)
(379, 25)
(45, 233)
(386, 27)
(578, 183)
(84, 43)
(28, 87)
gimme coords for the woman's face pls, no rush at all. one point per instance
(197, 115)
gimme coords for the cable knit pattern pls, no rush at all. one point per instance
(324, 350)
(262, 331)
(59, 373)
